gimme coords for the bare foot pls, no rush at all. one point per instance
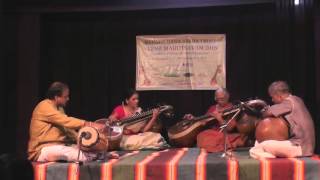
(113, 155)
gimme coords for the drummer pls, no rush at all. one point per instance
(52, 132)
(301, 140)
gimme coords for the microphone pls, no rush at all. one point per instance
(85, 135)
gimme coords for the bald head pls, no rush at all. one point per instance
(279, 87)
(279, 91)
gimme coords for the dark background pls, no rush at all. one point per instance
(90, 45)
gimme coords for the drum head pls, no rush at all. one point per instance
(89, 136)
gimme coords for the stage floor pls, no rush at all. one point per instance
(182, 164)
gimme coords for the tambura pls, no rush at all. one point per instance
(90, 139)
(246, 124)
(251, 113)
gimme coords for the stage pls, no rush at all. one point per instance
(183, 164)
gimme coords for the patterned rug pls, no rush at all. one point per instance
(182, 164)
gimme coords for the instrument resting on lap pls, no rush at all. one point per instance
(184, 133)
(115, 130)
(272, 129)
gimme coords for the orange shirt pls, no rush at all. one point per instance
(49, 125)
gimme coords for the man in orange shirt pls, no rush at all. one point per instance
(52, 132)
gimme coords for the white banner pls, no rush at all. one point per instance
(181, 62)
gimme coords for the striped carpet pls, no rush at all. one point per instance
(182, 164)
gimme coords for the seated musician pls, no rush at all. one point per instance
(52, 132)
(212, 139)
(301, 141)
(143, 138)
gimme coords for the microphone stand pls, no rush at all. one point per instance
(223, 128)
(79, 145)
(109, 129)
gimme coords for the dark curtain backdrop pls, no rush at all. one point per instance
(317, 65)
(317, 53)
(95, 53)
(2, 70)
(8, 80)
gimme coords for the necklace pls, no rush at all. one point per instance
(129, 111)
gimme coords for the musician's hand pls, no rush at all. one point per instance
(113, 155)
(218, 116)
(98, 126)
(151, 122)
(266, 113)
(188, 116)
(112, 118)
(155, 113)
